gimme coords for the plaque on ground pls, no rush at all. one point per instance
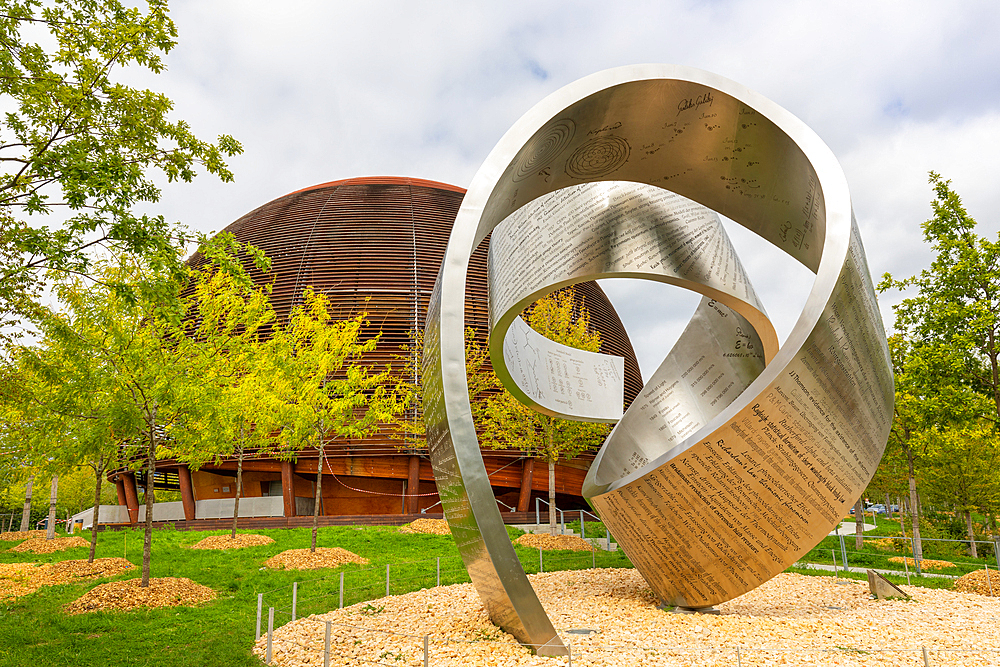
(738, 455)
(883, 589)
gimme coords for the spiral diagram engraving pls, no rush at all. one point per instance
(544, 148)
(598, 157)
(739, 455)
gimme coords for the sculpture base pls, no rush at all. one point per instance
(712, 611)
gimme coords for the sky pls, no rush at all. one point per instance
(319, 91)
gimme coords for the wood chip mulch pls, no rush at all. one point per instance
(981, 582)
(18, 535)
(792, 619)
(925, 563)
(40, 545)
(304, 559)
(547, 542)
(17, 579)
(128, 594)
(226, 542)
(427, 527)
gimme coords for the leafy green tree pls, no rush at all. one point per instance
(76, 140)
(330, 393)
(233, 322)
(508, 424)
(962, 468)
(947, 354)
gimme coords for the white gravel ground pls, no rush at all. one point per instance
(792, 619)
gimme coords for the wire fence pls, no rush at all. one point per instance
(894, 556)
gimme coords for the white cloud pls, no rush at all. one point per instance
(318, 91)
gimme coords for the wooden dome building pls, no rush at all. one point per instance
(371, 245)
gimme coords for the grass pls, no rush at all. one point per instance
(35, 631)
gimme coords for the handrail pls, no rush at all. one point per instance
(562, 514)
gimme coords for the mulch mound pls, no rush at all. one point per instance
(925, 563)
(18, 535)
(303, 559)
(17, 579)
(427, 527)
(982, 582)
(40, 545)
(547, 542)
(126, 595)
(226, 542)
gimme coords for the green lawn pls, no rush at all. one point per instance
(34, 631)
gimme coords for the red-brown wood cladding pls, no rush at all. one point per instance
(374, 246)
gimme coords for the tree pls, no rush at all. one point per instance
(508, 424)
(952, 329)
(77, 140)
(137, 337)
(233, 320)
(961, 470)
(330, 393)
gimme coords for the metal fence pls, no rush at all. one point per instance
(894, 556)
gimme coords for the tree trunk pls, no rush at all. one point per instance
(888, 506)
(147, 540)
(239, 489)
(552, 498)
(972, 534)
(918, 547)
(26, 513)
(50, 525)
(859, 525)
(319, 492)
(97, 507)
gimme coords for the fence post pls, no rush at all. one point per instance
(387, 580)
(739, 657)
(541, 565)
(607, 538)
(833, 552)
(843, 555)
(593, 557)
(927, 660)
(996, 550)
(569, 654)
(295, 597)
(538, 519)
(583, 531)
(439, 570)
(341, 590)
(326, 646)
(270, 633)
(427, 651)
(260, 603)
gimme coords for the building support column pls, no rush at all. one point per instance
(120, 488)
(288, 488)
(413, 486)
(131, 496)
(527, 472)
(187, 493)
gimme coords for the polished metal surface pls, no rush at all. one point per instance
(737, 456)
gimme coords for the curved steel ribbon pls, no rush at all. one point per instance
(724, 470)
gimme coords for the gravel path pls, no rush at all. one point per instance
(792, 619)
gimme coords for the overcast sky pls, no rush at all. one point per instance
(318, 91)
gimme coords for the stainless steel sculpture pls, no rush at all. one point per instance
(737, 457)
